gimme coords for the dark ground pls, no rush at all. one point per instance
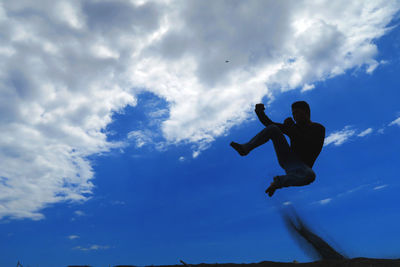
(356, 262)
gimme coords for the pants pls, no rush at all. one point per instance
(297, 172)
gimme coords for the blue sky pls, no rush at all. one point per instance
(117, 118)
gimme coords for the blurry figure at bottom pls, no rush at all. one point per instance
(297, 227)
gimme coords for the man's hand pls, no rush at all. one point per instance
(288, 122)
(259, 108)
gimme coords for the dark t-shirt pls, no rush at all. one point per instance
(306, 141)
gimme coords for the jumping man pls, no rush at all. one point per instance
(306, 141)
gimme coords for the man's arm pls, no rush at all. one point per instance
(267, 121)
(261, 115)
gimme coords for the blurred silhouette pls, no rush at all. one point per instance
(297, 227)
(306, 141)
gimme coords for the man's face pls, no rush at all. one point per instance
(300, 116)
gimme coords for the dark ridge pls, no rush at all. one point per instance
(355, 262)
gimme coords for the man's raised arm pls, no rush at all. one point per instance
(267, 121)
(261, 115)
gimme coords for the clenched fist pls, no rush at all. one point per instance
(260, 107)
(288, 122)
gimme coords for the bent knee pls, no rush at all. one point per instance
(272, 127)
(311, 178)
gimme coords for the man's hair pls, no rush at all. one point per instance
(303, 105)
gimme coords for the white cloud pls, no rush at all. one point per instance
(395, 122)
(356, 189)
(380, 187)
(79, 213)
(195, 154)
(365, 132)
(340, 137)
(66, 68)
(141, 138)
(72, 237)
(181, 159)
(345, 193)
(92, 247)
(147, 137)
(307, 87)
(307, 43)
(325, 201)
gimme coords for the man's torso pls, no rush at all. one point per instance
(306, 141)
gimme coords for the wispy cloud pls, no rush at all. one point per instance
(365, 132)
(340, 137)
(346, 134)
(79, 213)
(352, 190)
(141, 137)
(325, 201)
(92, 247)
(380, 187)
(147, 137)
(395, 122)
(348, 192)
(72, 237)
(307, 87)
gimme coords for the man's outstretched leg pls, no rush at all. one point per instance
(270, 132)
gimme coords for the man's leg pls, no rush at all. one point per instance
(302, 176)
(271, 132)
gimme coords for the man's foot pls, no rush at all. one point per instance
(239, 148)
(271, 189)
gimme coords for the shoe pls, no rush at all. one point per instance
(271, 189)
(238, 148)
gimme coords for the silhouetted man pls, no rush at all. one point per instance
(306, 141)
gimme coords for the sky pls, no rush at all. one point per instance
(116, 119)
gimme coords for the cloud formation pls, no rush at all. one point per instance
(325, 201)
(66, 68)
(359, 188)
(395, 122)
(72, 237)
(340, 137)
(380, 187)
(92, 247)
(365, 132)
(79, 213)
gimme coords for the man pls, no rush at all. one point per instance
(306, 141)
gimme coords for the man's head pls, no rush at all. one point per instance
(301, 112)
